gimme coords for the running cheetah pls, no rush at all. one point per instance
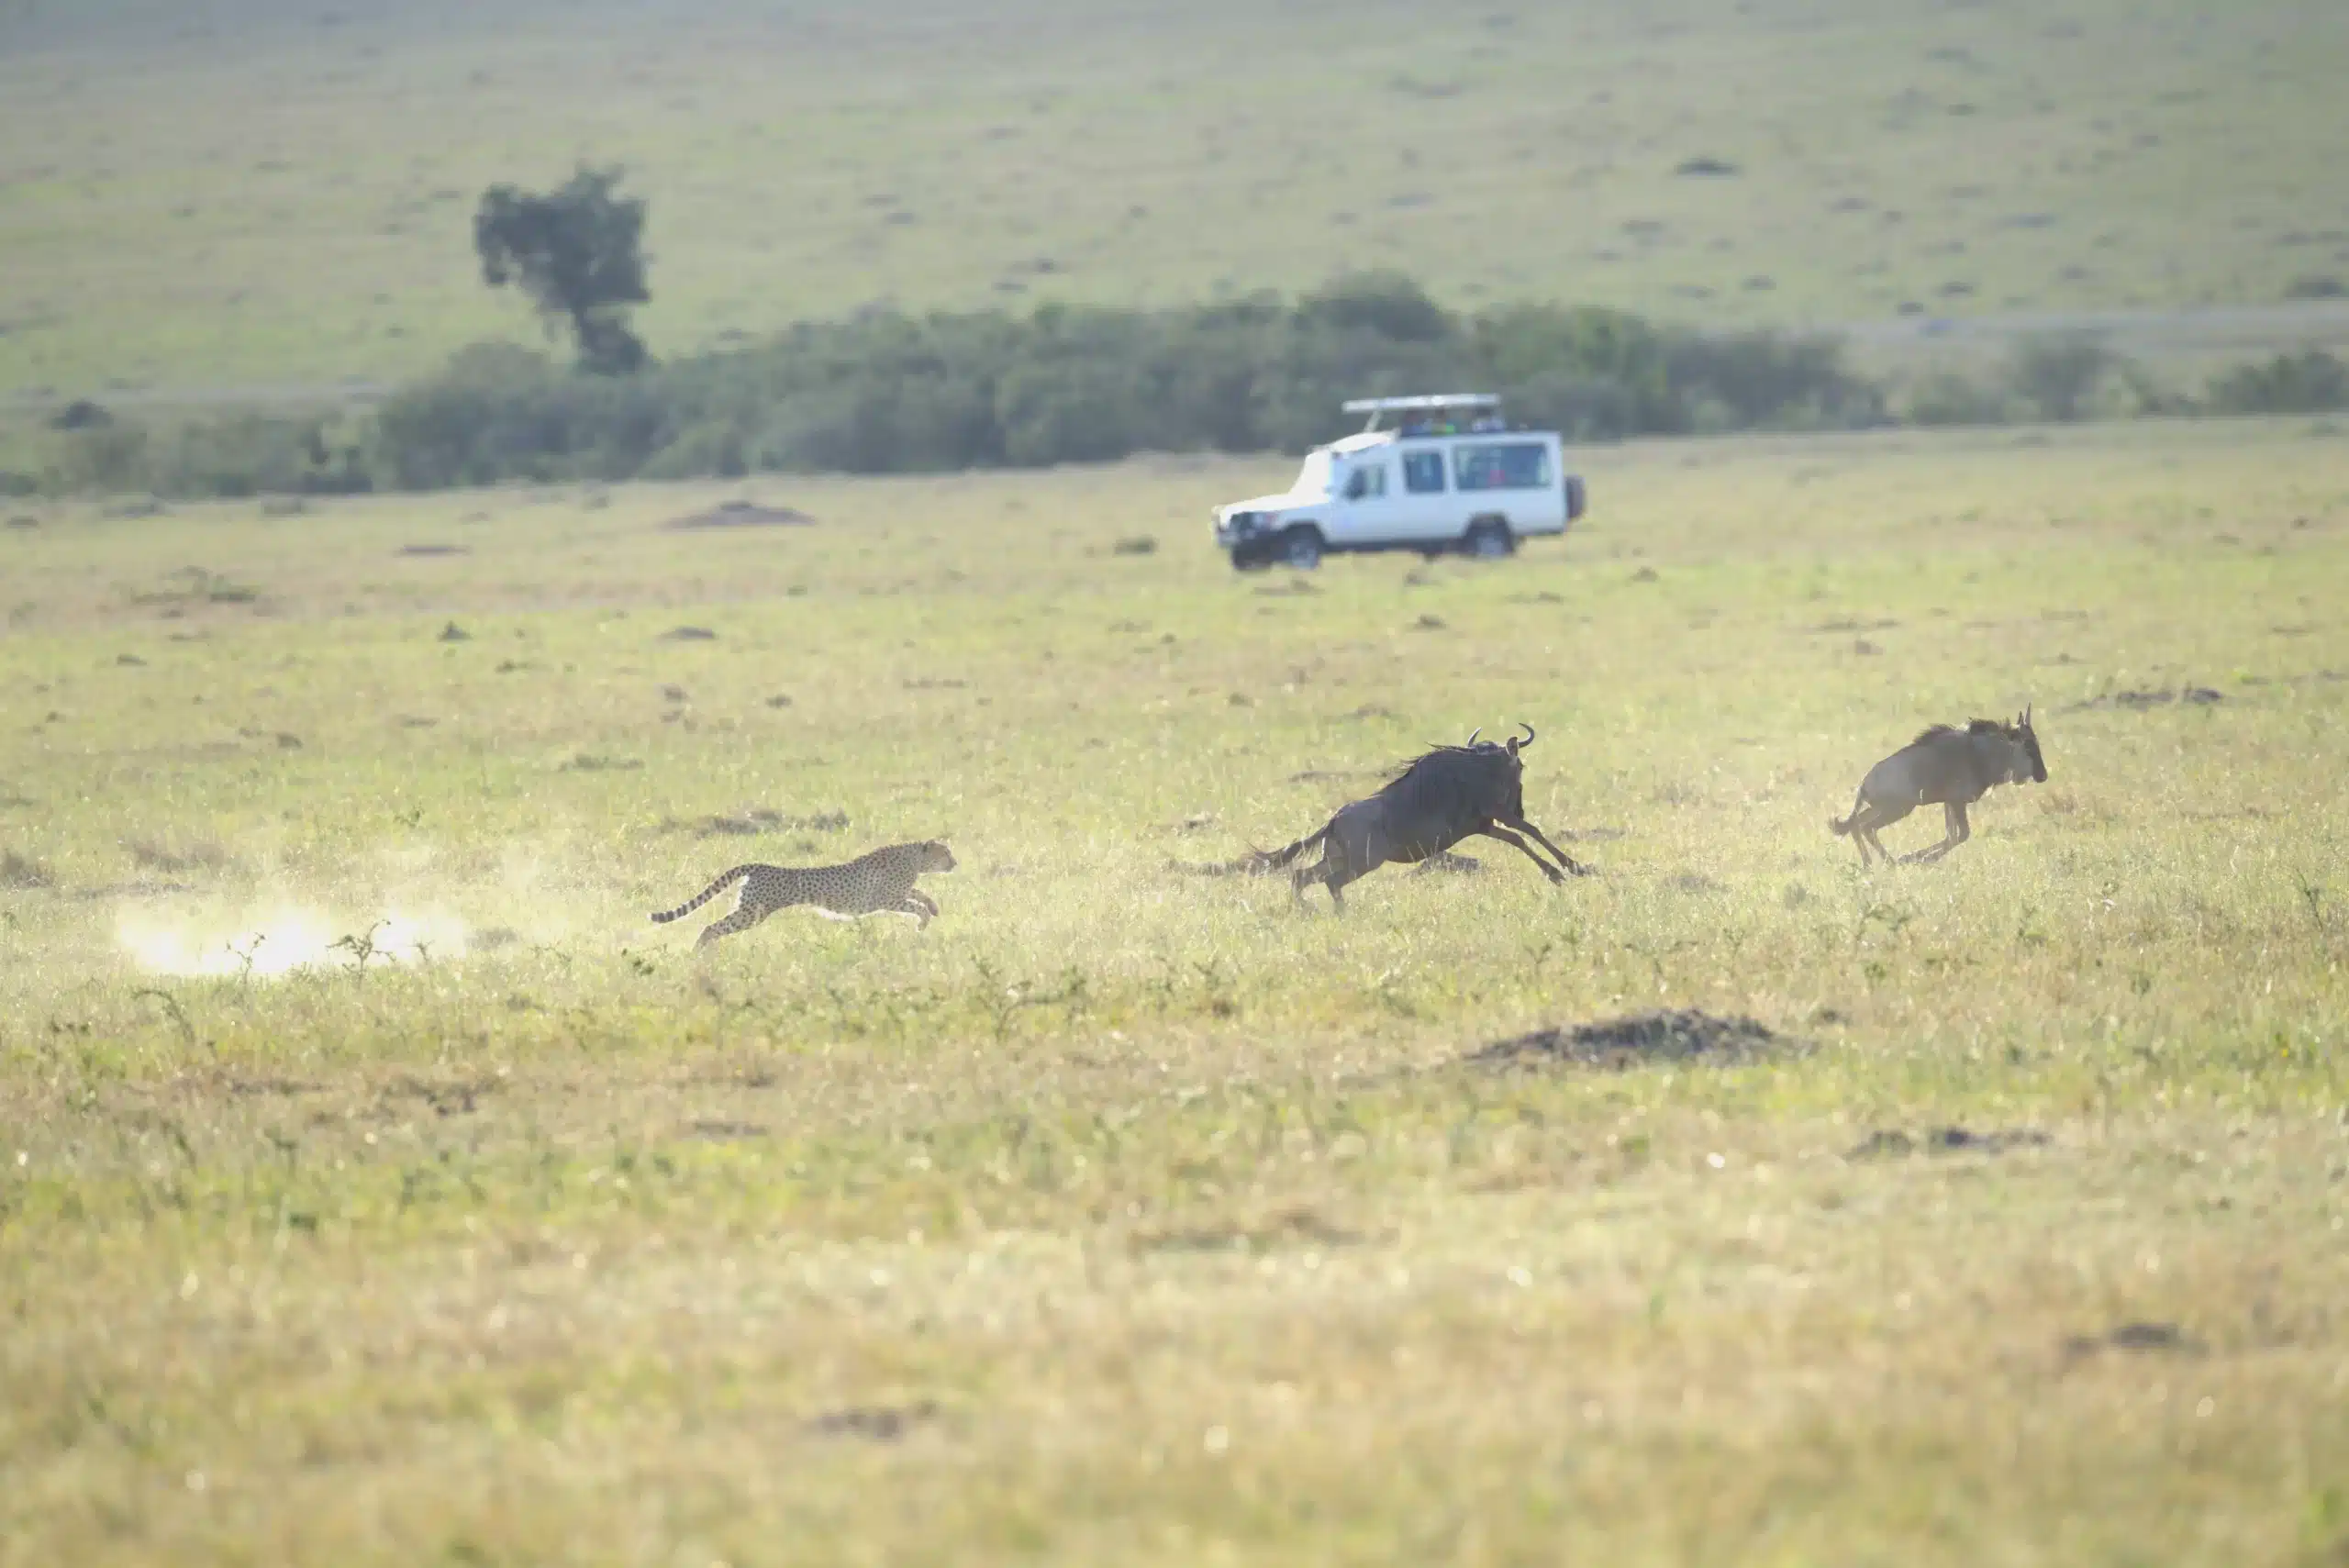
(879, 883)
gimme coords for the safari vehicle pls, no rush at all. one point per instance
(1436, 474)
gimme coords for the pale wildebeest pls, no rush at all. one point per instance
(1431, 804)
(1945, 767)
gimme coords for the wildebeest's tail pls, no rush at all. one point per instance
(703, 897)
(1262, 861)
(1841, 826)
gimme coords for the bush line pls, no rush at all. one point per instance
(888, 392)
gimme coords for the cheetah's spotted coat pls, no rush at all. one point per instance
(879, 883)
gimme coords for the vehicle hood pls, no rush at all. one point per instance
(1282, 503)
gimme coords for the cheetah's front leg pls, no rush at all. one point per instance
(919, 906)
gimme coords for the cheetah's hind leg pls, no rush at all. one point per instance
(742, 919)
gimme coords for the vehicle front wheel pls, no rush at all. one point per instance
(1490, 539)
(1251, 558)
(1302, 548)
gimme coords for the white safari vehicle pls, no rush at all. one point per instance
(1434, 474)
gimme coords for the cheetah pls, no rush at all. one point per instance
(879, 883)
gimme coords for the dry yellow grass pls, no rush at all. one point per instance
(1128, 1216)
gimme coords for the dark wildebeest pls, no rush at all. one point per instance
(1945, 767)
(1429, 805)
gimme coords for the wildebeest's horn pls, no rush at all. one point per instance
(1474, 733)
(2026, 716)
(1528, 734)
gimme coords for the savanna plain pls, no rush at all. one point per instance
(377, 1184)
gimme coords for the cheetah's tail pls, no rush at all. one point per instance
(703, 897)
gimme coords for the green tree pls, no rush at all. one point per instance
(578, 253)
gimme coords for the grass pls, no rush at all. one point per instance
(273, 197)
(1133, 1215)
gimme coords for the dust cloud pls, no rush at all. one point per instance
(285, 941)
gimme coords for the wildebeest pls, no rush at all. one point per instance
(1430, 804)
(1945, 766)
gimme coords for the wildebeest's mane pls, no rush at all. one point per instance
(1423, 771)
(1483, 749)
(1973, 726)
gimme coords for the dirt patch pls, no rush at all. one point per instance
(22, 873)
(431, 550)
(1296, 1225)
(2138, 702)
(2134, 1339)
(726, 1131)
(1685, 1035)
(874, 1423)
(1444, 862)
(740, 514)
(457, 1096)
(149, 855)
(750, 823)
(1894, 1144)
(689, 634)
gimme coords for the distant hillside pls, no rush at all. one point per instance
(250, 191)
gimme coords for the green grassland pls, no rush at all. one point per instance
(1129, 1215)
(256, 195)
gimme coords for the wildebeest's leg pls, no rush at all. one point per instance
(1861, 825)
(1955, 831)
(1542, 839)
(1318, 871)
(1872, 819)
(1495, 830)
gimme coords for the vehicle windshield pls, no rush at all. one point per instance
(1313, 479)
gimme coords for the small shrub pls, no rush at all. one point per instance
(2059, 373)
(2311, 382)
(2317, 286)
(1946, 399)
(103, 460)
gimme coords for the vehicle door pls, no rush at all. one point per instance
(1425, 507)
(1367, 501)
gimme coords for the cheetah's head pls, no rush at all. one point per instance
(936, 856)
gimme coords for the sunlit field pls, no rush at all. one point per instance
(378, 1185)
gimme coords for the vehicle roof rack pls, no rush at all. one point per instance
(1425, 403)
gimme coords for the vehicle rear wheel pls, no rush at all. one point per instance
(1302, 548)
(1490, 539)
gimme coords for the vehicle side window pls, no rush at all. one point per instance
(1423, 473)
(1367, 483)
(1510, 465)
